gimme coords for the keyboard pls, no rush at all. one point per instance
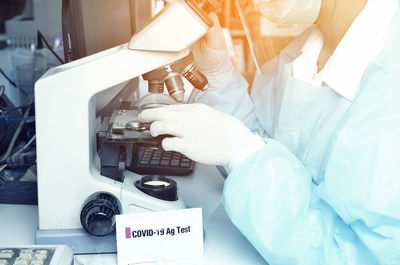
(154, 160)
(36, 255)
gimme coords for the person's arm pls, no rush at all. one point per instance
(270, 197)
(272, 200)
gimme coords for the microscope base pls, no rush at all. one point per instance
(79, 240)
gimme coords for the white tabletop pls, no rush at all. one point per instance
(223, 244)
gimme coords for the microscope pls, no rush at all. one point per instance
(78, 198)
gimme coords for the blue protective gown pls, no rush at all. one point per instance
(325, 189)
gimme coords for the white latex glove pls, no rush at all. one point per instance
(211, 55)
(203, 133)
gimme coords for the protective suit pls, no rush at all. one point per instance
(325, 189)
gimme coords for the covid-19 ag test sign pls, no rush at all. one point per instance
(165, 236)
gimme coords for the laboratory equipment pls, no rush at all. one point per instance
(159, 187)
(91, 26)
(170, 75)
(43, 15)
(126, 144)
(36, 255)
(68, 98)
(155, 160)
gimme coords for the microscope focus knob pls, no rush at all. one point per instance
(98, 214)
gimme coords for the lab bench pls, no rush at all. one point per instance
(223, 242)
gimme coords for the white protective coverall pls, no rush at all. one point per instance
(325, 189)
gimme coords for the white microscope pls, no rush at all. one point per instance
(77, 204)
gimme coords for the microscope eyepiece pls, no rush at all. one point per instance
(204, 7)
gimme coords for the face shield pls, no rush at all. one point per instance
(251, 20)
(289, 18)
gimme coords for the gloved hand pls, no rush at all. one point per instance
(203, 133)
(211, 55)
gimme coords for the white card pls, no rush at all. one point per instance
(160, 236)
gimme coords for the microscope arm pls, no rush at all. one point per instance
(66, 128)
